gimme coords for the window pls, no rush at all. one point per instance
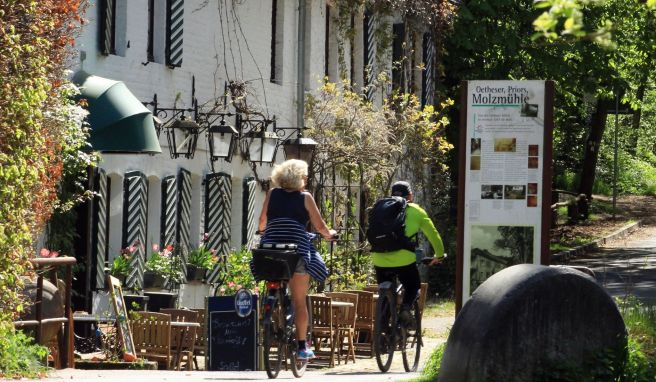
(113, 27)
(398, 31)
(277, 28)
(108, 27)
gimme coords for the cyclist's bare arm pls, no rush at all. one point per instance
(263, 215)
(316, 220)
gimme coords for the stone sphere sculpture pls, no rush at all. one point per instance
(533, 323)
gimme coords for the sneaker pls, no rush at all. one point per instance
(305, 354)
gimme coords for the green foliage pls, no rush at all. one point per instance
(432, 368)
(41, 134)
(19, 356)
(165, 263)
(238, 274)
(640, 320)
(121, 264)
(202, 256)
(636, 168)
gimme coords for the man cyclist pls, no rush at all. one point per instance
(402, 262)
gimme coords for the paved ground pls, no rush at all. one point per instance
(364, 369)
(626, 266)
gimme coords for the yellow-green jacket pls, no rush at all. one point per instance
(415, 219)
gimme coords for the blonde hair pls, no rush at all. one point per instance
(289, 174)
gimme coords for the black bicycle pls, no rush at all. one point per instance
(390, 334)
(275, 263)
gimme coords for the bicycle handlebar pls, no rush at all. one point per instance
(428, 260)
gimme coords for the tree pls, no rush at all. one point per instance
(494, 40)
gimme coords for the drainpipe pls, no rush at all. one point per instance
(300, 64)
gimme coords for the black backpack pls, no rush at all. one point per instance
(386, 230)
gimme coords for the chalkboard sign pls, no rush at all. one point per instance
(232, 340)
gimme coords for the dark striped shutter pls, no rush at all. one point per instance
(174, 29)
(184, 218)
(369, 52)
(218, 217)
(135, 223)
(107, 27)
(169, 216)
(100, 227)
(398, 31)
(428, 75)
(248, 212)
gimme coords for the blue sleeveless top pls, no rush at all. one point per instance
(287, 219)
(287, 204)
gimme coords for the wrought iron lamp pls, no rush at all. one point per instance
(181, 130)
(182, 137)
(298, 147)
(257, 143)
(222, 140)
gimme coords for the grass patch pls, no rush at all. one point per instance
(440, 308)
(432, 368)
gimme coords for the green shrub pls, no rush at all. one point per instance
(19, 356)
(432, 368)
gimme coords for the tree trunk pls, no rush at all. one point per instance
(592, 145)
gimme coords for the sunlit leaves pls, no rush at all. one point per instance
(563, 18)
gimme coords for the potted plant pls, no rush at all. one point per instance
(160, 267)
(200, 260)
(238, 274)
(121, 265)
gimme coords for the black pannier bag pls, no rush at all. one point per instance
(274, 261)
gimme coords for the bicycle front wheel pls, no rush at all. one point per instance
(273, 338)
(384, 330)
(412, 341)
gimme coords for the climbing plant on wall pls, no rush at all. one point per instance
(41, 134)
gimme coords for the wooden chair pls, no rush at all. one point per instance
(151, 333)
(322, 325)
(344, 320)
(364, 322)
(183, 339)
(200, 347)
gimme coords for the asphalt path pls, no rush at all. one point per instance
(627, 266)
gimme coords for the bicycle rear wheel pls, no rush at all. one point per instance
(384, 330)
(273, 338)
(412, 342)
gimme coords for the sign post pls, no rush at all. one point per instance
(504, 186)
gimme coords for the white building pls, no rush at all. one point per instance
(183, 50)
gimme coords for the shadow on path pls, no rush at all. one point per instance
(624, 271)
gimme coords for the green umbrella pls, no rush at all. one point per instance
(119, 121)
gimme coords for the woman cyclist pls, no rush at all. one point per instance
(285, 215)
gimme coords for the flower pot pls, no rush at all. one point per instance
(153, 280)
(195, 273)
